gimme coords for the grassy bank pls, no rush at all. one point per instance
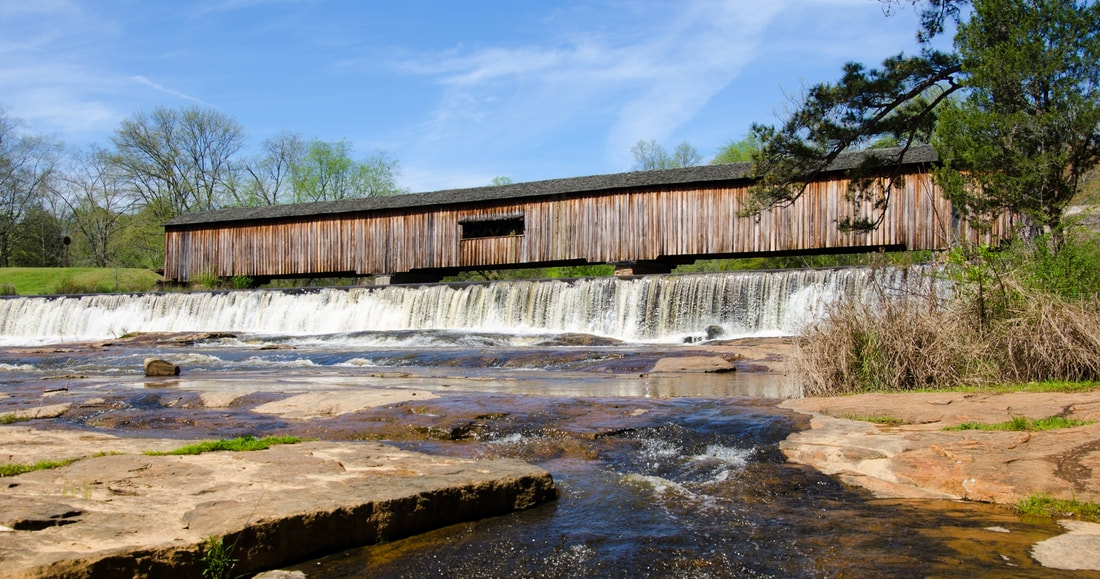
(27, 281)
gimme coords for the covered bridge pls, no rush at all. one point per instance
(643, 222)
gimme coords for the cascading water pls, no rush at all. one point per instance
(643, 309)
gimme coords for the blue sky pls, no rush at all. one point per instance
(457, 92)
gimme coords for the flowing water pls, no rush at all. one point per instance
(659, 476)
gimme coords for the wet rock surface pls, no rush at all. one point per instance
(457, 415)
(137, 515)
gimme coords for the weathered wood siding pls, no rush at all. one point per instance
(617, 226)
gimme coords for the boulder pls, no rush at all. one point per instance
(156, 367)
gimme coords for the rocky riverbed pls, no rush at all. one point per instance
(89, 514)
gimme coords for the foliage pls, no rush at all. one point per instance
(1022, 423)
(1028, 130)
(498, 181)
(8, 289)
(14, 469)
(738, 151)
(650, 155)
(1021, 138)
(1046, 506)
(326, 172)
(46, 280)
(217, 563)
(39, 240)
(27, 169)
(239, 444)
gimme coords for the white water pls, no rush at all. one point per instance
(647, 309)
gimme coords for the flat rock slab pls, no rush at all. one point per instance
(919, 459)
(135, 515)
(688, 364)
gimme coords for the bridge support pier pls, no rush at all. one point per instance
(629, 268)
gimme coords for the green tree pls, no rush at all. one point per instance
(1024, 132)
(650, 155)
(39, 239)
(498, 181)
(1028, 131)
(27, 169)
(178, 161)
(741, 151)
(327, 172)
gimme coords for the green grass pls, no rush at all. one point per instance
(1045, 506)
(12, 418)
(14, 469)
(239, 444)
(1047, 386)
(883, 419)
(55, 280)
(1020, 423)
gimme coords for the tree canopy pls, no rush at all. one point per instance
(1011, 109)
(650, 155)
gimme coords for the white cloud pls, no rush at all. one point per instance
(640, 83)
(145, 81)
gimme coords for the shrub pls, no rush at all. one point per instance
(1023, 314)
(8, 289)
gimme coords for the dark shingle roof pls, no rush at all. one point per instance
(568, 186)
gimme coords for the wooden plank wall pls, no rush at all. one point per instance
(607, 227)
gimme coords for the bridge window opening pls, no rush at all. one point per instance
(492, 228)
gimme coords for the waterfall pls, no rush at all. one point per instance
(641, 309)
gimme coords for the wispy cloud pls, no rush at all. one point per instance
(640, 83)
(156, 86)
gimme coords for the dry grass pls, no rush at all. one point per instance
(917, 342)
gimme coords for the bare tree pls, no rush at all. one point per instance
(178, 160)
(98, 197)
(267, 178)
(650, 155)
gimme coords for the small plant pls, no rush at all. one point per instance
(217, 564)
(8, 289)
(241, 282)
(13, 469)
(1021, 423)
(1046, 506)
(883, 419)
(239, 444)
(205, 279)
(12, 418)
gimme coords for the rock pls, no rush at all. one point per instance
(132, 515)
(715, 331)
(155, 367)
(1077, 550)
(917, 458)
(706, 364)
(281, 575)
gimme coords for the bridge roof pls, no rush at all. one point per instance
(553, 187)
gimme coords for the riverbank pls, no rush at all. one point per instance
(895, 446)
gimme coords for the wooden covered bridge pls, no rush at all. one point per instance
(642, 222)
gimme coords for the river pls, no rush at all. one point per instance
(660, 475)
